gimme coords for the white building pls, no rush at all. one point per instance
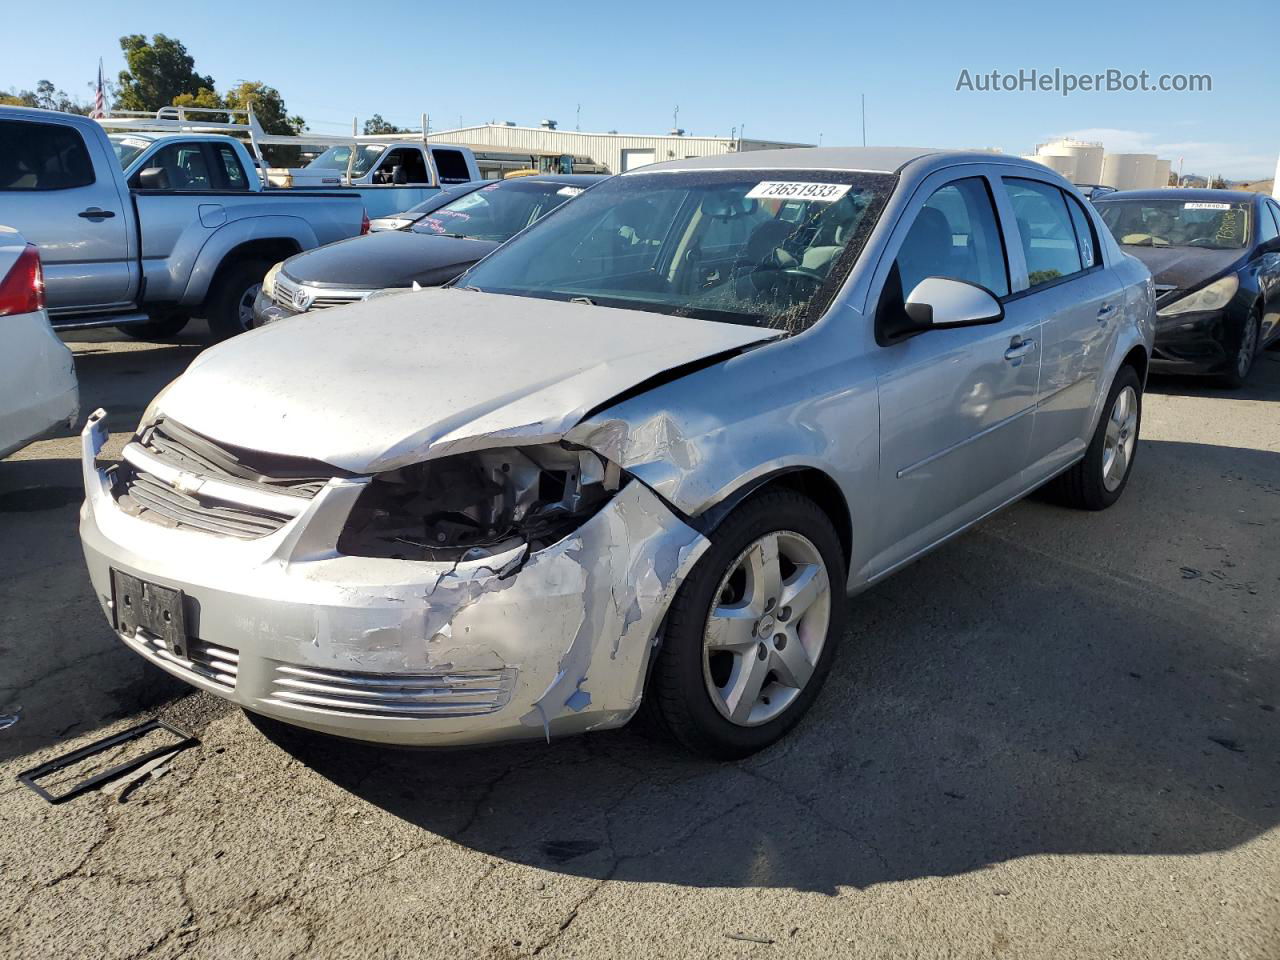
(1082, 161)
(618, 152)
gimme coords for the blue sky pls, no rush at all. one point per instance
(785, 71)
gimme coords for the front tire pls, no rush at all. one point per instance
(1246, 352)
(230, 303)
(1096, 481)
(753, 631)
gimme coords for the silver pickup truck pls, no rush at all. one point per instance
(143, 231)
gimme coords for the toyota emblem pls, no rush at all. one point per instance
(301, 299)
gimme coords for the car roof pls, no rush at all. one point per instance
(851, 159)
(1181, 193)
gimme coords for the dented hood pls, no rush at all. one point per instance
(403, 378)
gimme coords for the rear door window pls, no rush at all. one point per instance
(42, 156)
(1045, 230)
(451, 165)
(1086, 235)
(229, 169)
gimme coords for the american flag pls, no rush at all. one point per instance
(100, 98)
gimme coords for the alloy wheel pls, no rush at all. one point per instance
(1248, 348)
(1120, 437)
(767, 627)
(244, 306)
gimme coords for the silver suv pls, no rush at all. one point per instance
(637, 456)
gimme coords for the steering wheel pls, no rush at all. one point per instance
(805, 273)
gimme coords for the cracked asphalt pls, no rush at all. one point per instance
(1054, 737)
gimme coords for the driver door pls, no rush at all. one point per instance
(956, 406)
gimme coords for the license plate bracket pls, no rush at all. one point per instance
(156, 609)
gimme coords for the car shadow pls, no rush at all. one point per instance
(1050, 683)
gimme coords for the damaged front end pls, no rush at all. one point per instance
(473, 505)
(471, 598)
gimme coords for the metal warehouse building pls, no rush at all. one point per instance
(618, 152)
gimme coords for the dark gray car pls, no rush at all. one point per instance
(430, 252)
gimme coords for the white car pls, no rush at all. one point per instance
(38, 389)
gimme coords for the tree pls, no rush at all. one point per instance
(47, 97)
(375, 126)
(204, 97)
(160, 70)
(267, 105)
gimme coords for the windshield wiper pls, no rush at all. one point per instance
(587, 300)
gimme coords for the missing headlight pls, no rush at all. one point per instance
(473, 505)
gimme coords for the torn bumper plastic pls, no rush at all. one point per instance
(424, 653)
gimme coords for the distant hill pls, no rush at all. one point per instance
(1255, 186)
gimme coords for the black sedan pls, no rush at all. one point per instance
(1215, 259)
(430, 252)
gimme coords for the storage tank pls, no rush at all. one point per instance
(1163, 169)
(1129, 171)
(1087, 155)
(1065, 165)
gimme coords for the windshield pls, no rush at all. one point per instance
(127, 148)
(767, 248)
(1214, 225)
(335, 158)
(496, 212)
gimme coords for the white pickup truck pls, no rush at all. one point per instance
(145, 230)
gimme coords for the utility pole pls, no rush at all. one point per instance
(675, 118)
(577, 123)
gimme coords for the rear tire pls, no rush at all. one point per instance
(159, 328)
(1096, 481)
(1246, 352)
(691, 692)
(230, 304)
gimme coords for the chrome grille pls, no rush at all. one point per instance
(286, 291)
(177, 478)
(461, 693)
(213, 662)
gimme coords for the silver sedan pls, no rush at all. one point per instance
(637, 457)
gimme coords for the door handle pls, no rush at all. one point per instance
(93, 213)
(1105, 313)
(1019, 347)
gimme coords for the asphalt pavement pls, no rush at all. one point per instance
(1056, 736)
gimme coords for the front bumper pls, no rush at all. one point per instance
(395, 651)
(1192, 343)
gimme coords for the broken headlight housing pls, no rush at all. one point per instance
(472, 505)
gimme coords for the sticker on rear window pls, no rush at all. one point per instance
(796, 190)
(1206, 206)
(568, 191)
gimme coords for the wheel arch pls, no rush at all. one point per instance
(1138, 359)
(271, 249)
(808, 481)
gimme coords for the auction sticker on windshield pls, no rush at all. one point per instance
(796, 190)
(1206, 206)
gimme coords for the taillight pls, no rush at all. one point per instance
(364, 222)
(22, 289)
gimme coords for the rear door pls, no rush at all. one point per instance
(1080, 303)
(62, 192)
(956, 406)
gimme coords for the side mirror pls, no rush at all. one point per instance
(941, 302)
(153, 178)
